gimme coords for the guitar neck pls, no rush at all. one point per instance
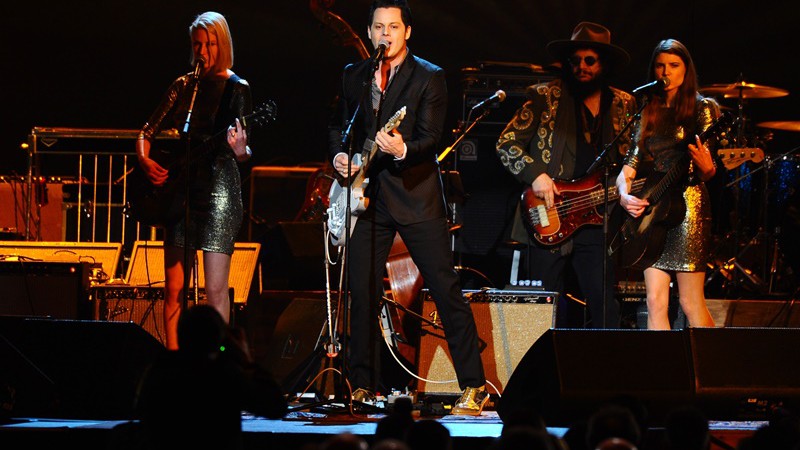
(613, 192)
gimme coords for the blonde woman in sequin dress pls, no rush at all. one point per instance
(215, 188)
(673, 118)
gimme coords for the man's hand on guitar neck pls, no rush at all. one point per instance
(391, 143)
(544, 188)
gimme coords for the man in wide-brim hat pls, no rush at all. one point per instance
(556, 135)
(594, 36)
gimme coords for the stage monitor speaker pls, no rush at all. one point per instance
(73, 369)
(568, 373)
(286, 327)
(105, 253)
(147, 267)
(754, 313)
(506, 329)
(45, 289)
(742, 373)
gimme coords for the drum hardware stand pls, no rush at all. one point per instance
(768, 242)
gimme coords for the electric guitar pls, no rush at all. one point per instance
(642, 238)
(337, 211)
(577, 206)
(162, 206)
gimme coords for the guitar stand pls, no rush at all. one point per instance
(763, 276)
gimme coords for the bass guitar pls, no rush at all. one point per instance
(641, 239)
(735, 157)
(577, 206)
(162, 206)
(337, 211)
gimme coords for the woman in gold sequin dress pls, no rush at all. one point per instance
(673, 118)
(218, 141)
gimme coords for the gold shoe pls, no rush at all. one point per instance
(363, 395)
(471, 402)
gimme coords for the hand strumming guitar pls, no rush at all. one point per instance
(544, 188)
(340, 164)
(155, 173)
(631, 203)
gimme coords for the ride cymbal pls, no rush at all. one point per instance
(745, 90)
(786, 125)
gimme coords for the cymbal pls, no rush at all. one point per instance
(747, 90)
(786, 125)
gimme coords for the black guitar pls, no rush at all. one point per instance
(162, 206)
(641, 239)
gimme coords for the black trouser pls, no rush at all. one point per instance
(586, 258)
(428, 245)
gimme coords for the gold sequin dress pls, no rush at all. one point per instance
(687, 246)
(216, 208)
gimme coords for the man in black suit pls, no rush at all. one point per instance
(405, 196)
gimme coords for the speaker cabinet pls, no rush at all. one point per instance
(754, 313)
(505, 331)
(277, 193)
(143, 306)
(568, 373)
(106, 254)
(45, 289)
(73, 369)
(147, 267)
(46, 219)
(285, 327)
(744, 372)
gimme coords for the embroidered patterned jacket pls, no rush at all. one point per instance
(541, 137)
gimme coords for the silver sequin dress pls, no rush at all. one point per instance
(687, 246)
(216, 208)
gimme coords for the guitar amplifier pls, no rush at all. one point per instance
(142, 305)
(503, 296)
(508, 323)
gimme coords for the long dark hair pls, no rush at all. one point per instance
(685, 98)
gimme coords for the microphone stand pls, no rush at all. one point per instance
(603, 156)
(187, 268)
(485, 112)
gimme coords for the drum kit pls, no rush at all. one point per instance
(757, 199)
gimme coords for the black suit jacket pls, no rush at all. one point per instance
(410, 188)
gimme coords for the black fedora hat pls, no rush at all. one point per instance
(589, 35)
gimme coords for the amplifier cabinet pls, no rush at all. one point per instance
(142, 305)
(45, 289)
(508, 323)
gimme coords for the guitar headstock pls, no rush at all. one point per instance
(395, 120)
(262, 114)
(735, 157)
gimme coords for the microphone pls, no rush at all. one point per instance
(198, 65)
(498, 97)
(657, 85)
(380, 50)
